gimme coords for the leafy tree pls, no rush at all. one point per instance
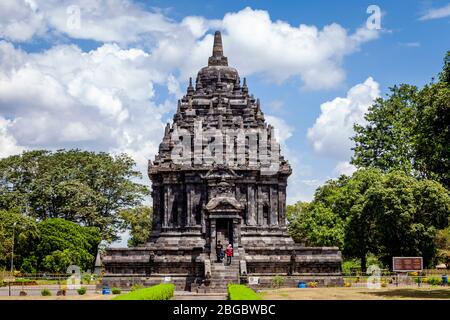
(316, 225)
(361, 232)
(410, 213)
(139, 221)
(388, 215)
(84, 187)
(387, 140)
(63, 243)
(25, 236)
(409, 131)
(443, 245)
(433, 129)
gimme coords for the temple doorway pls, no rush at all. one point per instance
(224, 231)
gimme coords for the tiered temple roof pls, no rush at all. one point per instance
(219, 101)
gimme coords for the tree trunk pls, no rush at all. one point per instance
(363, 263)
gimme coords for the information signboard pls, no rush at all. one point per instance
(407, 264)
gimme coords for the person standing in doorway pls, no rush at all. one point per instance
(219, 251)
(229, 253)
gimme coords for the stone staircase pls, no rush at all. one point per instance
(222, 275)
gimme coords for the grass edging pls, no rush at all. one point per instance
(241, 292)
(163, 291)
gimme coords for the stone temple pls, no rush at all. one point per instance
(219, 176)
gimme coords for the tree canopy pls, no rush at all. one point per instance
(409, 131)
(390, 214)
(63, 243)
(139, 221)
(26, 234)
(50, 245)
(84, 187)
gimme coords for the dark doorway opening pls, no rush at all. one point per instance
(224, 231)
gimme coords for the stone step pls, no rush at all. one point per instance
(223, 274)
(222, 287)
(222, 269)
(224, 278)
(225, 265)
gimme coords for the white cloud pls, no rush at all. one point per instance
(283, 131)
(254, 43)
(64, 97)
(331, 132)
(436, 13)
(344, 167)
(304, 179)
(104, 99)
(20, 20)
(8, 145)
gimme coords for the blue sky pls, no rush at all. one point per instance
(111, 82)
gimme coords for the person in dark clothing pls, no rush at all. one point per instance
(219, 251)
(229, 253)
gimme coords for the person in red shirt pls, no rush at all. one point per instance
(229, 253)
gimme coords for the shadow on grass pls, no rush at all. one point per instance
(413, 293)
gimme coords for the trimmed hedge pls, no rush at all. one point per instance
(116, 291)
(241, 292)
(434, 281)
(45, 292)
(81, 291)
(163, 291)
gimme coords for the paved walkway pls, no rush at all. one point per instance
(185, 295)
(36, 290)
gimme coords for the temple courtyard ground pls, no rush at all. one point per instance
(357, 294)
(290, 294)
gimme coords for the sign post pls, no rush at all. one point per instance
(407, 264)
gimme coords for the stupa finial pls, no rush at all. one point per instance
(217, 47)
(217, 58)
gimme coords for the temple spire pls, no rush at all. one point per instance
(217, 58)
(190, 89)
(217, 47)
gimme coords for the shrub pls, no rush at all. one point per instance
(277, 281)
(434, 281)
(350, 266)
(163, 291)
(45, 292)
(86, 278)
(81, 291)
(137, 286)
(419, 279)
(241, 292)
(312, 284)
(116, 291)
